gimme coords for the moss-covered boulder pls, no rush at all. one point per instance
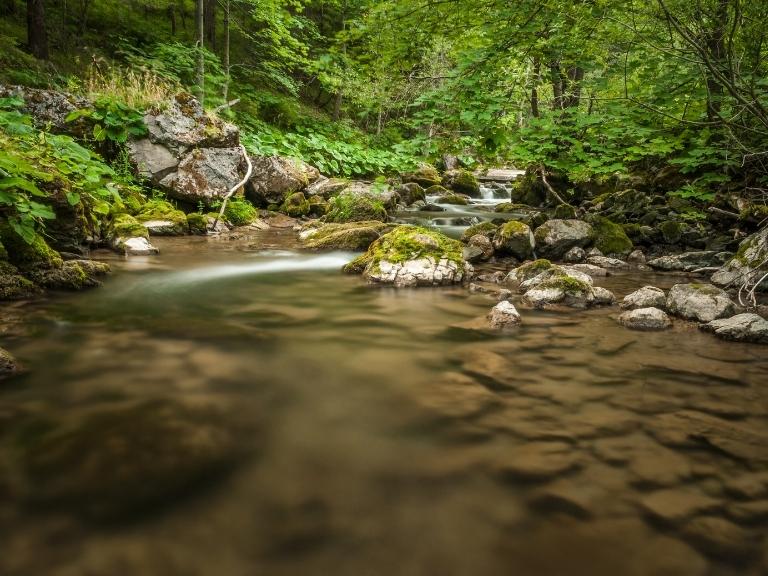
(556, 286)
(514, 239)
(318, 206)
(296, 205)
(555, 237)
(32, 255)
(126, 226)
(8, 364)
(610, 238)
(564, 212)
(529, 190)
(14, 286)
(240, 212)
(700, 302)
(425, 175)
(456, 199)
(748, 265)
(71, 275)
(162, 218)
(512, 208)
(410, 192)
(528, 270)
(197, 223)
(487, 229)
(461, 181)
(351, 207)
(437, 190)
(413, 256)
(671, 231)
(349, 236)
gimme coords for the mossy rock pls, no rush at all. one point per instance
(425, 175)
(568, 284)
(609, 237)
(514, 238)
(437, 190)
(72, 275)
(351, 207)
(158, 210)
(532, 269)
(461, 181)
(296, 205)
(487, 229)
(456, 199)
(754, 213)
(512, 208)
(318, 206)
(529, 190)
(197, 223)
(13, 286)
(28, 255)
(564, 212)
(411, 192)
(671, 231)
(126, 226)
(349, 236)
(240, 212)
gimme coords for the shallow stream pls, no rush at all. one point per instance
(237, 407)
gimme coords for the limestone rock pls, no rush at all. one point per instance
(205, 175)
(686, 262)
(556, 237)
(514, 238)
(645, 297)
(483, 244)
(645, 319)
(503, 315)
(135, 246)
(606, 262)
(745, 327)
(700, 302)
(575, 255)
(273, 179)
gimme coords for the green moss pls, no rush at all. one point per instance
(609, 237)
(512, 207)
(461, 181)
(757, 212)
(240, 212)
(532, 269)
(126, 226)
(487, 229)
(349, 236)
(350, 207)
(197, 223)
(425, 175)
(568, 284)
(3, 253)
(33, 255)
(162, 210)
(457, 199)
(296, 205)
(565, 212)
(13, 286)
(671, 231)
(358, 265)
(317, 206)
(436, 190)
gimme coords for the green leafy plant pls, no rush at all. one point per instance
(112, 120)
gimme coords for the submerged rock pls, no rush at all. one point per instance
(686, 262)
(720, 538)
(503, 315)
(740, 328)
(413, 256)
(645, 319)
(556, 237)
(539, 461)
(700, 302)
(645, 297)
(8, 364)
(674, 505)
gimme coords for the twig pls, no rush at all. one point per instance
(235, 188)
(226, 105)
(549, 187)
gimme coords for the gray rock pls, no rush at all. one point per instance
(575, 255)
(554, 273)
(645, 319)
(137, 246)
(636, 257)
(410, 192)
(273, 179)
(503, 315)
(645, 297)
(603, 296)
(745, 327)
(556, 237)
(205, 175)
(482, 243)
(606, 262)
(746, 264)
(327, 187)
(594, 252)
(419, 272)
(163, 228)
(8, 364)
(686, 262)
(514, 238)
(700, 302)
(152, 161)
(591, 270)
(47, 107)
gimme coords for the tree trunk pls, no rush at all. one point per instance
(37, 35)
(172, 18)
(557, 85)
(8, 7)
(227, 65)
(200, 21)
(575, 77)
(714, 41)
(210, 23)
(535, 88)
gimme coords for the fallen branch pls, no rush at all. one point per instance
(235, 188)
(226, 105)
(549, 187)
(724, 212)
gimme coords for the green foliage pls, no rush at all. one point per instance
(240, 212)
(112, 120)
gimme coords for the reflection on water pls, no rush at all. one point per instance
(225, 410)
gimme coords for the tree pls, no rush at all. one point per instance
(37, 35)
(200, 21)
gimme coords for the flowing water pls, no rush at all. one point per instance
(236, 407)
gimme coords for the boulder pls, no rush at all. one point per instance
(609, 237)
(152, 161)
(503, 315)
(645, 297)
(561, 290)
(71, 275)
(349, 236)
(205, 175)
(8, 364)
(159, 217)
(273, 179)
(326, 187)
(483, 244)
(425, 175)
(47, 108)
(14, 286)
(591, 270)
(553, 273)
(740, 328)
(487, 229)
(349, 206)
(455, 199)
(686, 262)
(636, 257)
(461, 181)
(645, 319)
(555, 237)
(700, 302)
(606, 262)
(296, 205)
(575, 255)
(410, 192)
(603, 296)
(749, 263)
(527, 271)
(134, 246)
(413, 256)
(515, 239)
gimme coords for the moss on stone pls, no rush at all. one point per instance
(296, 205)
(28, 255)
(671, 231)
(436, 190)
(758, 212)
(487, 229)
(609, 237)
(531, 269)
(317, 205)
(568, 284)
(456, 199)
(424, 175)
(350, 207)
(512, 207)
(197, 223)
(348, 236)
(13, 286)
(73, 275)
(240, 212)
(564, 212)
(126, 226)
(461, 181)
(157, 209)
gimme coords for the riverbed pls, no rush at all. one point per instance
(235, 406)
